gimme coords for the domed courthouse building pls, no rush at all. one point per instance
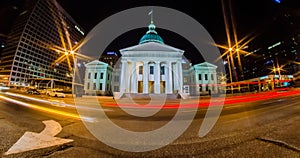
(153, 67)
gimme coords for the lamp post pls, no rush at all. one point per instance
(72, 68)
(238, 49)
(222, 81)
(230, 73)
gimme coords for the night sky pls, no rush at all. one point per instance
(255, 16)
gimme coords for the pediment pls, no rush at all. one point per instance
(205, 65)
(95, 63)
(151, 46)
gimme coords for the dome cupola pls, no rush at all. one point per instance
(151, 35)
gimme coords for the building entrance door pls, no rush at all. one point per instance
(151, 86)
(162, 87)
(140, 86)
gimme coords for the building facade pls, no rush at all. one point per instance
(200, 79)
(34, 45)
(206, 78)
(3, 38)
(98, 77)
(151, 67)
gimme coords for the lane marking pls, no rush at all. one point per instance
(31, 141)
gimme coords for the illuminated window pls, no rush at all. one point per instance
(151, 70)
(185, 79)
(94, 86)
(162, 70)
(101, 86)
(116, 88)
(140, 70)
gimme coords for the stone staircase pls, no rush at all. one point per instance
(150, 96)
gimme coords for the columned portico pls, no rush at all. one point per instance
(151, 66)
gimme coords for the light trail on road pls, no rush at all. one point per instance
(213, 101)
(48, 110)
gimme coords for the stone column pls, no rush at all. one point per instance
(123, 77)
(175, 76)
(157, 78)
(133, 78)
(169, 86)
(127, 78)
(180, 76)
(145, 77)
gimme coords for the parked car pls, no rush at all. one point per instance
(33, 91)
(43, 91)
(4, 88)
(56, 93)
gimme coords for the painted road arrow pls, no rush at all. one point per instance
(31, 141)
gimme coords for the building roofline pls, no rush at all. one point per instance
(66, 14)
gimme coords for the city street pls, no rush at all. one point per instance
(149, 79)
(260, 128)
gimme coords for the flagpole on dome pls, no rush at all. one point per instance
(151, 16)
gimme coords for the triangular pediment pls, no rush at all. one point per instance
(151, 46)
(95, 63)
(205, 65)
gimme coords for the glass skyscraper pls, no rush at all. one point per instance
(40, 44)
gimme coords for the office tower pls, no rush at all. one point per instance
(40, 43)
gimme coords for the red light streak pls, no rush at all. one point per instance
(214, 101)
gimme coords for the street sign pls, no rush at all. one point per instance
(31, 141)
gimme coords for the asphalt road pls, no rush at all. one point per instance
(267, 128)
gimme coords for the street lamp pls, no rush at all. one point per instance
(235, 46)
(277, 69)
(222, 81)
(230, 73)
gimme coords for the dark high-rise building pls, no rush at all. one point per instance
(2, 46)
(40, 43)
(266, 60)
(110, 58)
(2, 42)
(277, 46)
